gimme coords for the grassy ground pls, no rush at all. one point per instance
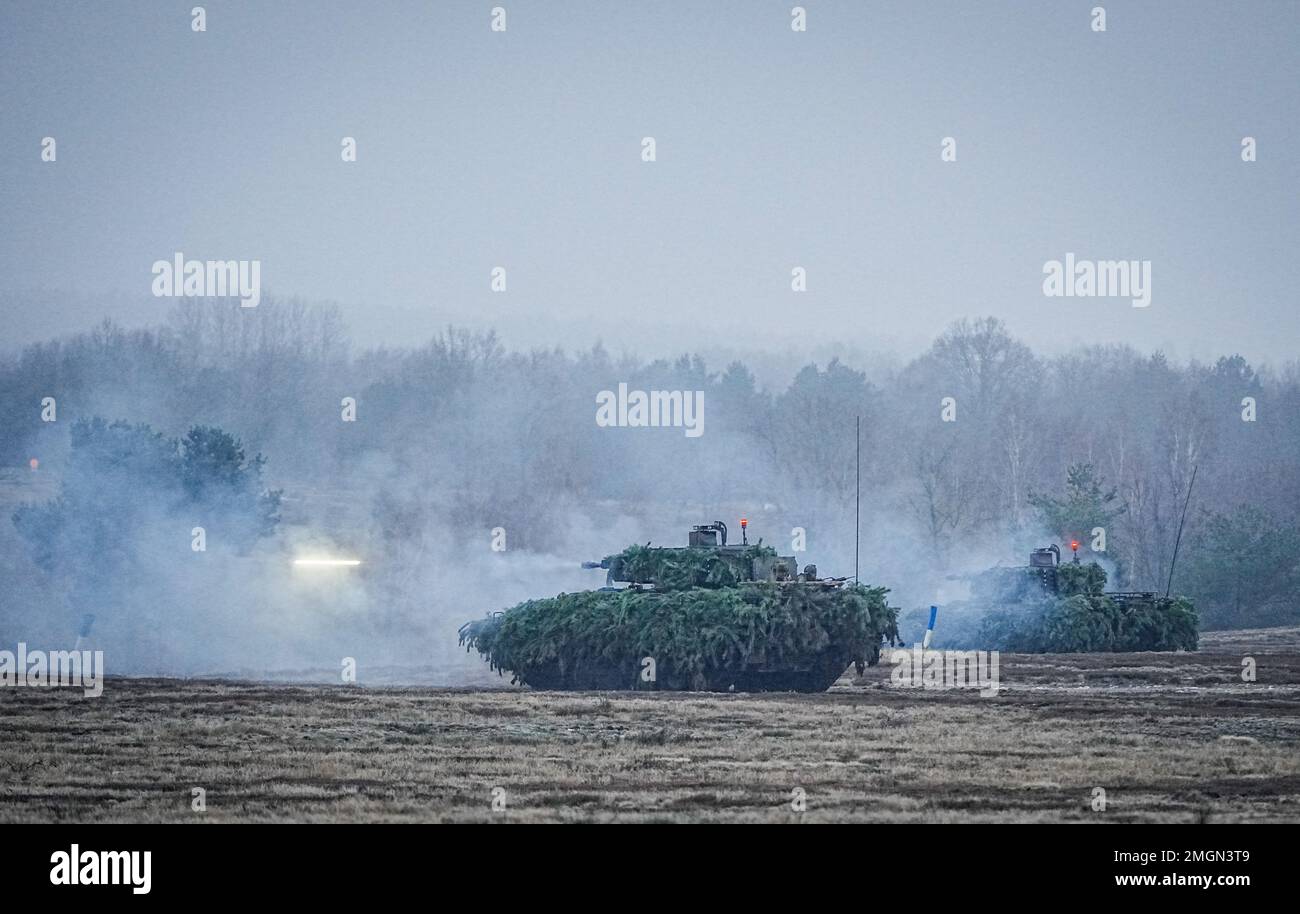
(1169, 737)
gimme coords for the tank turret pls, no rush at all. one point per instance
(708, 561)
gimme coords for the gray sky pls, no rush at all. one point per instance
(775, 149)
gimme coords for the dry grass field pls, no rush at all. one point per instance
(1170, 737)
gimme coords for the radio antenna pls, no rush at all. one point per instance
(1177, 540)
(857, 498)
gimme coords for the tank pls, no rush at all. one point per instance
(1050, 606)
(707, 616)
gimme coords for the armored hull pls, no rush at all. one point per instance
(818, 674)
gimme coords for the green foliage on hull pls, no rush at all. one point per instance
(1061, 609)
(1084, 623)
(1083, 578)
(694, 635)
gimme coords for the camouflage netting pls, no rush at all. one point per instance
(691, 633)
(1018, 615)
(1083, 578)
(675, 568)
(1085, 623)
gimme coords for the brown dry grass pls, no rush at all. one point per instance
(1170, 737)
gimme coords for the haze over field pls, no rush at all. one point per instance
(458, 446)
(801, 250)
(775, 149)
(548, 411)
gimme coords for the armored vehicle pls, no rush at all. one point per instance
(1063, 607)
(708, 616)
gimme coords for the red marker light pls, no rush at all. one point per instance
(1074, 544)
(33, 463)
(744, 522)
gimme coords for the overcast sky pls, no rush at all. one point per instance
(775, 149)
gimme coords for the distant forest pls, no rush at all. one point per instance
(1039, 447)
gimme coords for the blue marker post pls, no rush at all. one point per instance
(929, 631)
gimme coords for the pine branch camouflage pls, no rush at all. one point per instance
(754, 635)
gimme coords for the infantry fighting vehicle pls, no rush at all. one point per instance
(1063, 607)
(708, 616)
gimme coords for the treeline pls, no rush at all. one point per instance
(972, 442)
